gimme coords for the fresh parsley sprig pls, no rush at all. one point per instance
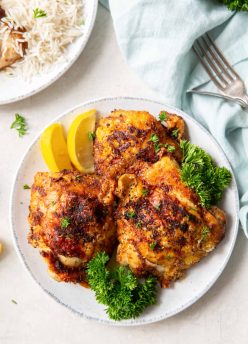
(236, 5)
(20, 124)
(200, 173)
(119, 290)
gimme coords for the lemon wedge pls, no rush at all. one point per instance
(54, 149)
(80, 141)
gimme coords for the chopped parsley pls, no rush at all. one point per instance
(39, 13)
(205, 232)
(175, 133)
(65, 222)
(144, 192)
(91, 135)
(154, 138)
(162, 116)
(20, 125)
(26, 187)
(119, 290)
(157, 146)
(14, 301)
(170, 148)
(153, 245)
(139, 224)
(53, 203)
(131, 214)
(200, 173)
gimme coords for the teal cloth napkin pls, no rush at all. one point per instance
(156, 37)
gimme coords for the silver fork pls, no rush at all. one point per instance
(229, 83)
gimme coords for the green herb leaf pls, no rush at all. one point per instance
(157, 147)
(205, 233)
(91, 136)
(175, 133)
(39, 13)
(139, 224)
(131, 214)
(154, 138)
(14, 301)
(162, 116)
(20, 125)
(170, 148)
(119, 290)
(26, 187)
(153, 245)
(236, 5)
(144, 192)
(200, 173)
(65, 222)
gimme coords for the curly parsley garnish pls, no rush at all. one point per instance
(163, 116)
(65, 222)
(20, 125)
(236, 5)
(39, 13)
(119, 290)
(200, 173)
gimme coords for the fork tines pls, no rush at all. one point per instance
(215, 64)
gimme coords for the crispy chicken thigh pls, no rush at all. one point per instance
(162, 229)
(71, 220)
(125, 138)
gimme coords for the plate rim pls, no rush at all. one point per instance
(135, 321)
(66, 67)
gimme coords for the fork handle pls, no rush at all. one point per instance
(240, 101)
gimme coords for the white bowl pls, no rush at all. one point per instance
(16, 88)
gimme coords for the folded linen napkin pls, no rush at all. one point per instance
(156, 37)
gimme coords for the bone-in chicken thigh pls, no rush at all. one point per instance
(124, 138)
(162, 229)
(71, 219)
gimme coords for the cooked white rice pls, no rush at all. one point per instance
(47, 37)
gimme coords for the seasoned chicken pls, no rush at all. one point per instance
(12, 45)
(125, 138)
(161, 227)
(71, 219)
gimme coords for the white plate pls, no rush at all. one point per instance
(16, 88)
(80, 300)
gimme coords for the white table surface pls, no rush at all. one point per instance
(221, 316)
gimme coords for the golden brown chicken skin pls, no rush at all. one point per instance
(125, 138)
(71, 219)
(161, 227)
